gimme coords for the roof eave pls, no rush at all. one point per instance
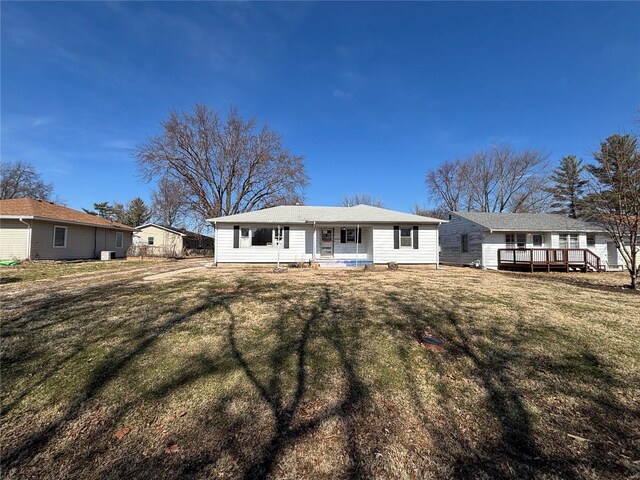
(72, 222)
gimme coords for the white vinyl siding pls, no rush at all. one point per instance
(297, 251)
(426, 253)
(451, 242)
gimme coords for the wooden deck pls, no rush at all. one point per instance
(549, 259)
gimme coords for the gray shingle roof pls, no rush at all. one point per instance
(529, 222)
(291, 214)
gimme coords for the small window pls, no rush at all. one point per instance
(406, 237)
(537, 240)
(119, 239)
(150, 240)
(516, 240)
(59, 237)
(351, 235)
(277, 234)
(244, 232)
(591, 239)
(464, 243)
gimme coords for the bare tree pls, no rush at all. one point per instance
(423, 211)
(614, 196)
(361, 199)
(500, 179)
(21, 180)
(226, 166)
(169, 201)
(445, 185)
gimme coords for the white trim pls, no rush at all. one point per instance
(162, 227)
(410, 237)
(66, 232)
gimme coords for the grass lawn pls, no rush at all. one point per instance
(244, 373)
(50, 270)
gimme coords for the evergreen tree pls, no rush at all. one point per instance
(136, 213)
(101, 209)
(568, 186)
(615, 197)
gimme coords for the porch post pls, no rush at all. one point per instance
(313, 250)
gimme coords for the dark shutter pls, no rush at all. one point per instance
(343, 235)
(396, 237)
(415, 236)
(359, 234)
(286, 237)
(236, 236)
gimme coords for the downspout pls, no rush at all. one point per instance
(438, 246)
(28, 238)
(215, 244)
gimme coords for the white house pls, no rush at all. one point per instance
(331, 235)
(526, 241)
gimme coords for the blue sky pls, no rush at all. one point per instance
(372, 94)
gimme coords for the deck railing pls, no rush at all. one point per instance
(551, 258)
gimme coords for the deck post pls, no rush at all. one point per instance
(531, 259)
(548, 261)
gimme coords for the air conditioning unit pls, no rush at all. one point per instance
(107, 255)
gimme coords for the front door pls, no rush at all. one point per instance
(326, 242)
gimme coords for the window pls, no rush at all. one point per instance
(150, 240)
(537, 240)
(261, 237)
(568, 241)
(244, 232)
(591, 239)
(277, 235)
(119, 239)
(59, 237)
(516, 240)
(464, 243)
(406, 236)
(350, 235)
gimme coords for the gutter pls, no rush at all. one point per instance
(28, 238)
(215, 243)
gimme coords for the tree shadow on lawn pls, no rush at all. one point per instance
(295, 325)
(518, 450)
(105, 371)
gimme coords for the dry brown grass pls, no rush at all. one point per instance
(317, 374)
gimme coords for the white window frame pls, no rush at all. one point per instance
(568, 240)
(464, 243)
(66, 232)
(593, 236)
(410, 237)
(150, 241)
(516, 240)
(121, 236)
(533, 239)
(346, 235)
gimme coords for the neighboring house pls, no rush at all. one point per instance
(541, 241)
(338, 235)
(171, 241)
(39, 230)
